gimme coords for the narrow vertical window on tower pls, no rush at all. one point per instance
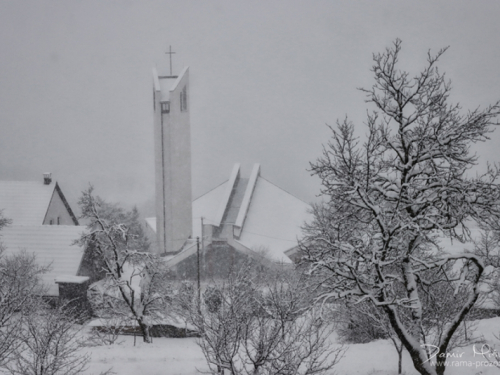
(184, 99)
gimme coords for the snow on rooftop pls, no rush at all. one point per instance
(25, 202)
(71, 279)
(151, 223)
(205, 206)
(52, 246)
(167, 83)
(165, 87)
(273, 218)
(274, 221)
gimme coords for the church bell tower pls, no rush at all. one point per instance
(172, 161)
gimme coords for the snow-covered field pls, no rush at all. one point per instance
(168, 356)
(164, 356)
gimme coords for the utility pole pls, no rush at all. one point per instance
(203, 261)
(198, 259)
(202, 234)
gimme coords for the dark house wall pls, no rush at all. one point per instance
(91, 266)
(76, 296)
(217, 262)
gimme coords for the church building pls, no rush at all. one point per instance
(244, 218)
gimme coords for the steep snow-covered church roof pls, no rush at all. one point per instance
(252, 214)
(274, 220)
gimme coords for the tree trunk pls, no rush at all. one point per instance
(441, 365)
(145, 331)
(399, 349)
(465, 331)
(400, 361)
(418, 357)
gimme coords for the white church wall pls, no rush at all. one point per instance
(173, 162)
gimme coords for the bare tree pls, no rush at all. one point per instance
(488, 245)
(20, 292)
(136, 281)
(220, 321)
(391, 199)
(364, 322)
(441, 302)
(184, 300)
(49, 344)
(108, 332)
(285, 334)
(360, 323)
(250, 325)
(4, 221)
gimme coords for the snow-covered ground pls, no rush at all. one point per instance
(165, 356)
(168, 356)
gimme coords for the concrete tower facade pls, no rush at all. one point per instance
(172, 161)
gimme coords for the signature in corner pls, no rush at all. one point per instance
(486, 351)
(435, 352)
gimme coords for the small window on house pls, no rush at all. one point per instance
(184, 99)
(58, 220)
(51, 222)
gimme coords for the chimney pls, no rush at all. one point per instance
(47, 178)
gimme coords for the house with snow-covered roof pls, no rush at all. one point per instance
(35, 203)
(43, 224)
(244, 218)
(53, 248)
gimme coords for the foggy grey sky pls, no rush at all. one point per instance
(76, 86)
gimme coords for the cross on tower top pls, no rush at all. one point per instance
(170, 53)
